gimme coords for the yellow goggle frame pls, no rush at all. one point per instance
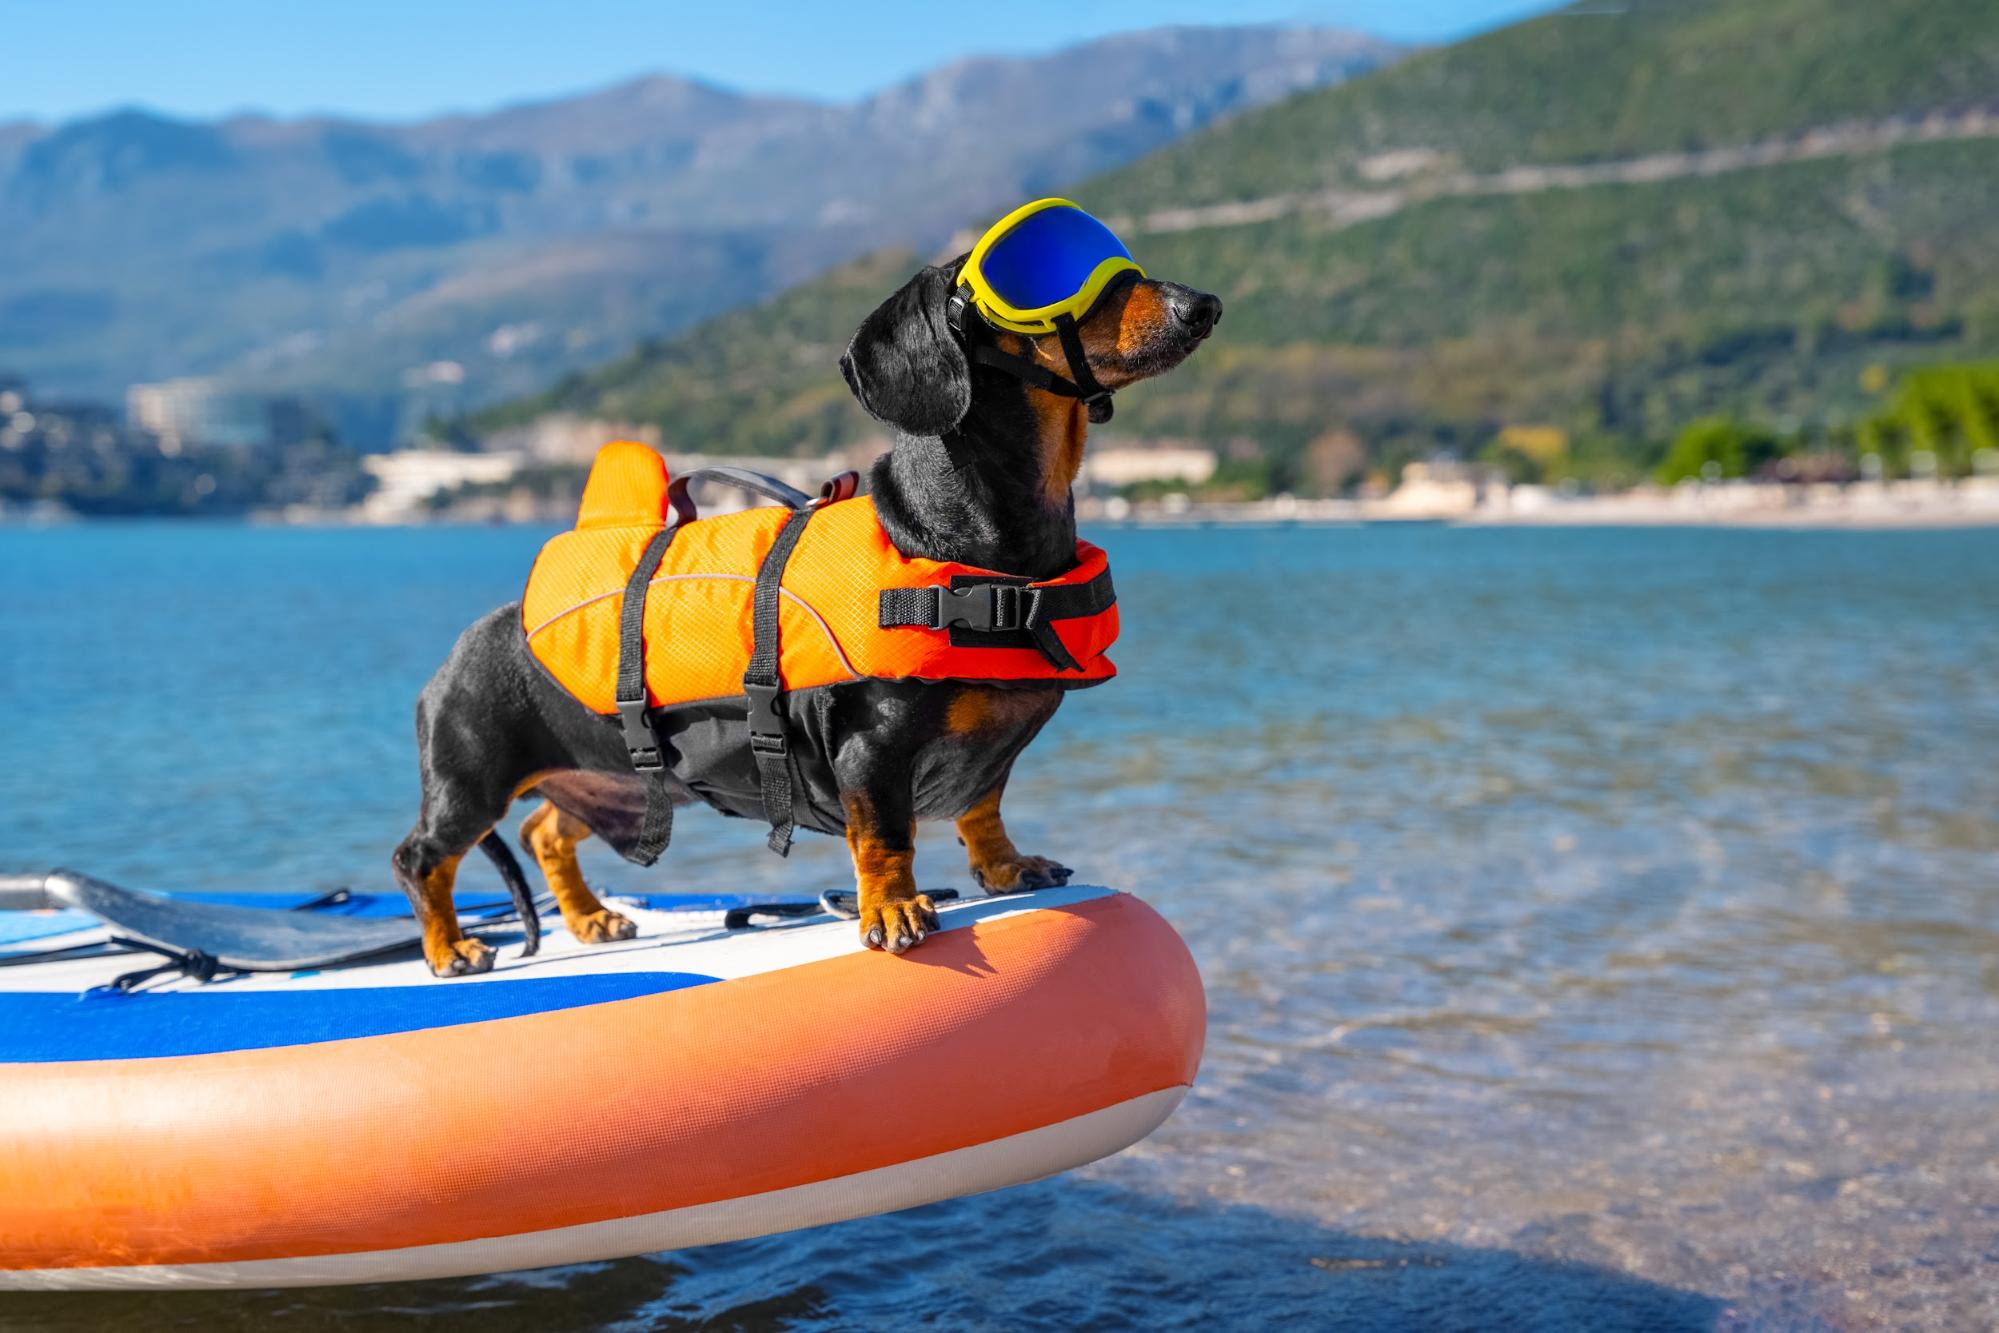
(1041, 319)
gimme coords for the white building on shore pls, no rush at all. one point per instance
(406, 480)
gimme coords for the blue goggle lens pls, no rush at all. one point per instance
(1048, 256)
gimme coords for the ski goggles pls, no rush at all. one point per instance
(1042, 261)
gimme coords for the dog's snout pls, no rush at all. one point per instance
(1199, 312)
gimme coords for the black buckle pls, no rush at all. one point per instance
(766, 722)
(641, 742)
(1003, 606)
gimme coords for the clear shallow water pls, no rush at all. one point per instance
(1601, 928)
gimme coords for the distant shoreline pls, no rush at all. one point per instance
(1865, 506)
(1862, 507)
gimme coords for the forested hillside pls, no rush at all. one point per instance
(1602, 224)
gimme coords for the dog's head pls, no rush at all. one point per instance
(910, 371)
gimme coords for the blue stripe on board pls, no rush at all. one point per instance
(39, 1027)
(711, 902)
(16, 927)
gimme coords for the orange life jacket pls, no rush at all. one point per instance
(843, 605)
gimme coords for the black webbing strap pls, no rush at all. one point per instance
(642, 743)
(999, 608)
(1033, 372)
(764, 688)
(959, 312)
(1094, 395)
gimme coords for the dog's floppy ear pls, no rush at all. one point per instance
(905, 366)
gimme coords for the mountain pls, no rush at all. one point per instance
(1604, 222)
(332, 253)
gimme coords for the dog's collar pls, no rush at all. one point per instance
(966, 321)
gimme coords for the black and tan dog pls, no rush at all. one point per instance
(980, 473)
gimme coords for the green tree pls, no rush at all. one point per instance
(1950, 412)
(1715, 447)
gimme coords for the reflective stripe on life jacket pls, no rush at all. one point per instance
(851, 606)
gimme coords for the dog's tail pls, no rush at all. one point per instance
(502, 856)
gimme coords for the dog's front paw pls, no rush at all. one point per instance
(898, 924)
(601, 927)
(1019, 873)
(461, 958)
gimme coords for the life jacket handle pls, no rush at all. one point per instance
(740, 477)
(843, 486)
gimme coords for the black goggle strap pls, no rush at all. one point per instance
(1094, 395)
(1085, 386)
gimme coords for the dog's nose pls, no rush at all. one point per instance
(1199, 311)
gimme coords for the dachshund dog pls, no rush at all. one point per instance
(980, 473)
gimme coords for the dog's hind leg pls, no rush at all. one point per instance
(998, 865)
(462, 801)
(426, 865)
(550, 837)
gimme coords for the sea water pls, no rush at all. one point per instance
(1601, 928)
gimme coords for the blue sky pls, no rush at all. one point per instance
(395, 59)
